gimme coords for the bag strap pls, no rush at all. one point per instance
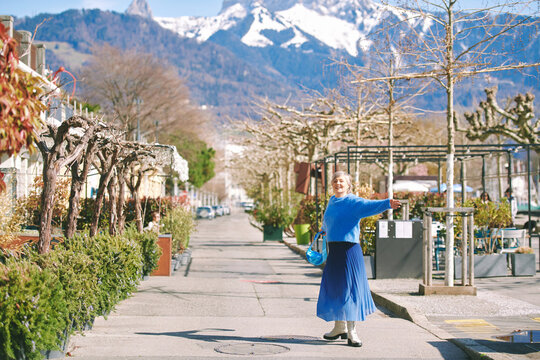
(315, 239)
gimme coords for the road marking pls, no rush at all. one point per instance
(474, 326)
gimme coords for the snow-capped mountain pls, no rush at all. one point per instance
(274, 49)
(298, 39)
(339, 24)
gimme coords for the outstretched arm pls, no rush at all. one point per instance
(366, 208)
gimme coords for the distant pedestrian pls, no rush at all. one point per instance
(344, 296)
(485, 197)
(513, 204)
(154, 224)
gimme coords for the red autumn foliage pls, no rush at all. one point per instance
(20, 105)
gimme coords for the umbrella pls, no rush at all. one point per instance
(457, 188)
(408, 185)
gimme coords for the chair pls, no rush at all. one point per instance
(439, 243)
(513, 238)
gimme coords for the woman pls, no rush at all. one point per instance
(154, 224)
(344, 296)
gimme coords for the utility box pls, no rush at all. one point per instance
(398, 249)
(164, 262)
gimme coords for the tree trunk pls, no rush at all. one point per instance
(390, 144)
(134, 186)
(138, 211)
(108, 171)
(98, 204)
(121, 215)
(113, 221)
(449, 258)
(47, 203)
(77, 182)
(74, 198)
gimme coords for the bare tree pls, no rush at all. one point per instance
(78, 177)
(137, 170)
(439, 58)
(107, 158)
(140, 92)
(133, 153)
(55, 158)
(516, 121)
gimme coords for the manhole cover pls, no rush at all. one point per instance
(251, 349)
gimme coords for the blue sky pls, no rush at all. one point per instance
(172, 8)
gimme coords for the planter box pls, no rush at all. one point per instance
(491, 265)
(165, 260)
(272, 233)
(57, 354)
(302, 234)
(369, 264)
(523, 264)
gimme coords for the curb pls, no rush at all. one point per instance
(473, 349)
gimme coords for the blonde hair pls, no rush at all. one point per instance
(347, 178)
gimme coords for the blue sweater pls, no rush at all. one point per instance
(341, 220)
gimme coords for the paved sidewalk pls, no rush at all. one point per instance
(502, 306)
(243, 298)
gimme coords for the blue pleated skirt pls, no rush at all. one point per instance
(344, 293)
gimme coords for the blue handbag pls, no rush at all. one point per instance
(315, 257)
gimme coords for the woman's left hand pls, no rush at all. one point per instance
(394, 204)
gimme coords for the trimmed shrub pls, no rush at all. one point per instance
(179, 222)
(150, 250)
(33, 311)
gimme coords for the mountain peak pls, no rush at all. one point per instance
(140, 8)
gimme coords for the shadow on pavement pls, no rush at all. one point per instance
(510, 348)
(282, 339)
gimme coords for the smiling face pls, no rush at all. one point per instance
(340, 186)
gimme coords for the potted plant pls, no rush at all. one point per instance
(302, 224)
(273, 218)
(368, 227)
(523, 262)
(489, 218)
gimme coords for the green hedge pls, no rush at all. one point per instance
(33, 312)
(179, 222)
(150, 252)
(45, 297)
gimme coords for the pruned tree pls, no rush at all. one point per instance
(107, 159)
(133, 152)
(79, 173)
(53, 146)
(140, 167)
(516, 121)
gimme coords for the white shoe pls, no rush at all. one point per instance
(339, 330)
(352, 336)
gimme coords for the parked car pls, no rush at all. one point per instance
(205, 212)
(218, 210)
(248, 206)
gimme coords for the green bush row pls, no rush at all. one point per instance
(43, 298)
(179, 222)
